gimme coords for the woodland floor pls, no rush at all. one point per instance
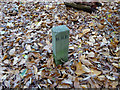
(26, 46)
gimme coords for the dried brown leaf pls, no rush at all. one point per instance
(114, 84)
(115, 65)
(86, 31)
(84, 61)
(101, 78)
(35, 69)
(63, 85)
(79, 69)
(77, 83)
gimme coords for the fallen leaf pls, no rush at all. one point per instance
(71, 47)
(7, 83)
(15, 60)
(80, 35)
(10, 25)
(101, 78)
(115, 65)
(91, 54)
(100, 26)
(91, 39)
(114, 84)
(28, 47)
(35, 69)
(49, 81)
(23, 61)
(104, 40)
(91, 24)
(2, 32)
(40, 44)
(76, 83)
(26, 56)
(47, 42)
(6, 61)
(79, 69)
(110, 77)
(90, 43)
(84, 61)
(5, 57)
(12, 52)
(48, 48)
(84, 86)
(95, 72)
(84, 68)
(67, 81)
(63, 86)
(86, 31)
(35, 46)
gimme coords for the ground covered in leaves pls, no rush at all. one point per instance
(26, 46)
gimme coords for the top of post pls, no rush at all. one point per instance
(60, 28)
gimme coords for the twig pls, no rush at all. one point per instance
(110, 24)
(107, 22)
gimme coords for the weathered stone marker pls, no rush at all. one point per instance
(60, 42)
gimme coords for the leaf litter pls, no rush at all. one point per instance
(26, 46)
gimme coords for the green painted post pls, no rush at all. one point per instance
(60, 42)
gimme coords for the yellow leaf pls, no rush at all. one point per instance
(80, 35)
(5, 57)
(79, 69)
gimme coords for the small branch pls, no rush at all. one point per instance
(109, 24)
(79, 7)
